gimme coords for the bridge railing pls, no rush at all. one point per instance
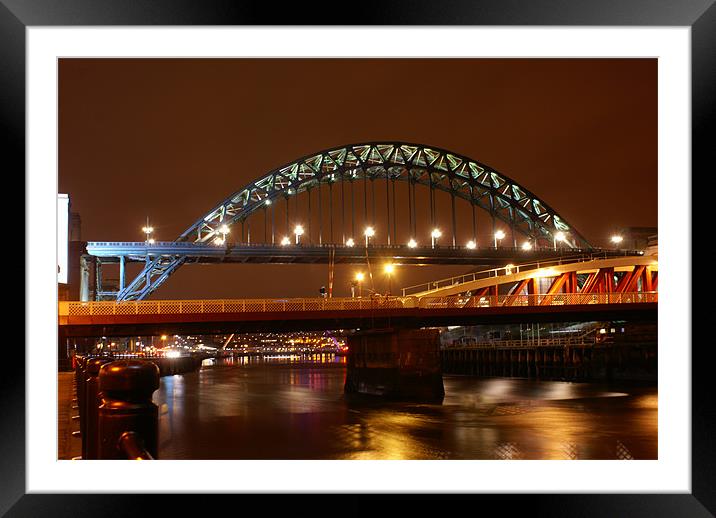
(556, 299)
(525, 343)
(185, 307)
(200, 246)
(503, 270)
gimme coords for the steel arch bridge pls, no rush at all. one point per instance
(435, 168)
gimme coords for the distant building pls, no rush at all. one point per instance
(639, 238)
(70, 249)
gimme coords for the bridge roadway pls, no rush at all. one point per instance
(203, 253)
(137, 318)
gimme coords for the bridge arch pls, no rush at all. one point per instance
(417, 164)
(440, 169)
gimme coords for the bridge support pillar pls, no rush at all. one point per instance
(401, 364)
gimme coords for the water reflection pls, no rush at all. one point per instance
(293, 407)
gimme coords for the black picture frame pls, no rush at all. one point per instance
(700, 15)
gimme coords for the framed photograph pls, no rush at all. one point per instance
(416, 253)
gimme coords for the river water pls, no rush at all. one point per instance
(294, 408)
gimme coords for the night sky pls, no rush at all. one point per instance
(171, 138)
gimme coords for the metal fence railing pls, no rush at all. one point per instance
(186, 307)
(573, 341)
(504, 270)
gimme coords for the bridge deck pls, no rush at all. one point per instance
(222, 316)
(319, 254)
(464, 283)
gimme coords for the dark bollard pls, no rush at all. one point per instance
(126, 388)
(90, 439)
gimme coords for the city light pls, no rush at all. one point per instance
(412, 243)
(617, 239)
(499, 235)
(471, 244)
(298, 230)
(358, 279)
(526, 245)
(148, 229)
(389, 268)
(435, 234)
(285, 241)
(224, 229)
(559, 236)
(219, 241)
(350, 242)
(268, 202)
(369, 232)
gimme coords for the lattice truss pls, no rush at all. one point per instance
(458, 175)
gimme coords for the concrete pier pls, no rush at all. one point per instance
(401, 364)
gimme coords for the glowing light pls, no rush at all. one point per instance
(224, 229)
(389, 268)
(147, 230)
(412, 243)
(369, 232)
(164, 337)
(471, 244)
(499, 234)
(268, 202)
(360, 276)
(285, 241)
(150, 241)
(173, 354)
(436, 233)
(350, 242)
(526, 245)
(559, 236)
(298, 230)
(219, 241)
(617, 239)
(545, 272)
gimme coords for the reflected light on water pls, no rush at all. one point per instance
(293, 407)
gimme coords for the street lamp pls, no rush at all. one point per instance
(369, 232)
(389, 269)
(435, 235)
(526, 246)
(147, 229)
(298, 230)
(223, 230)
(617, 240)
(499, 235)
(412, 243)
(285, 241)
(359, 280)
(350, 242)
(471, 244)
(559, 236)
